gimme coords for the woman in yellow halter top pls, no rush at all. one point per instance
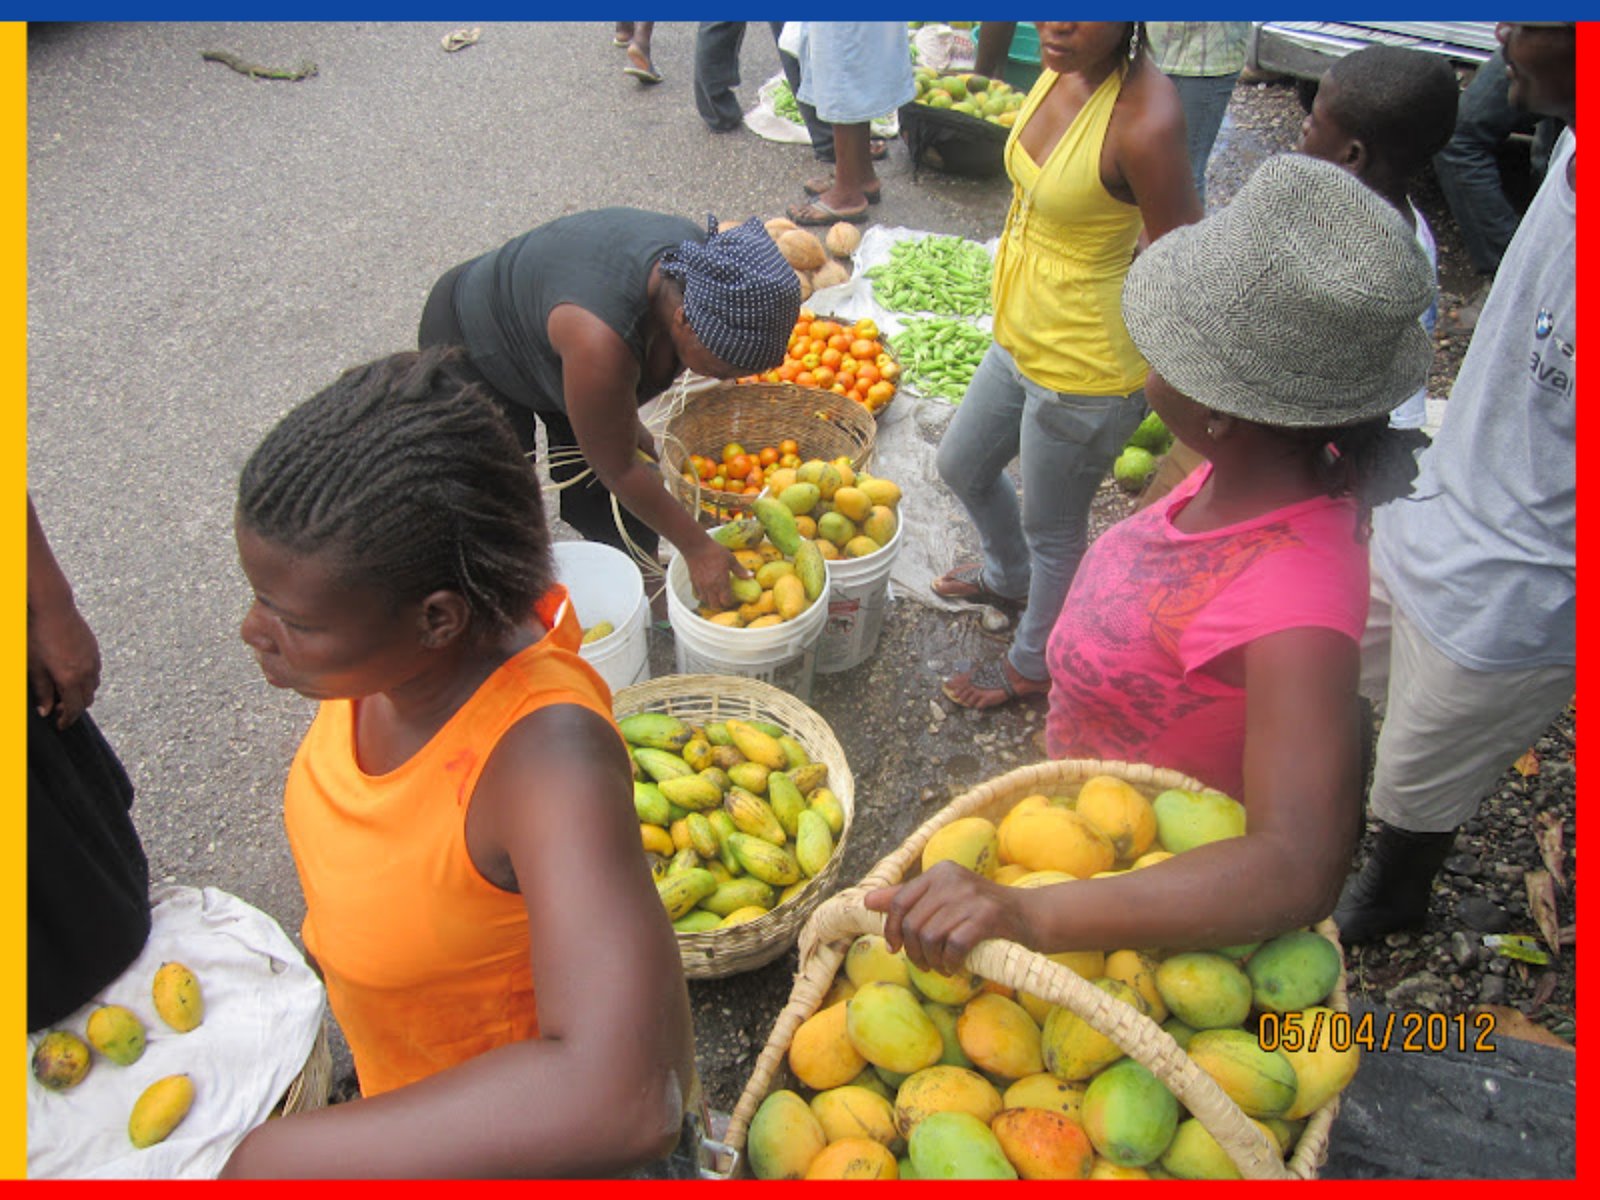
(1097, 159)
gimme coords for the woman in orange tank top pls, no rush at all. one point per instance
(460, 810)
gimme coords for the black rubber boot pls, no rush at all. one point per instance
(1391, 892)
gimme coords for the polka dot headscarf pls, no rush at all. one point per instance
(740, 295)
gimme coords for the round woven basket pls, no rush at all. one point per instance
(699, 699)
(309, 1089)
(825, 424)
(827, 937)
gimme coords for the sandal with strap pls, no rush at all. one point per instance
(995, 684)
(815, 187)
(965, 582)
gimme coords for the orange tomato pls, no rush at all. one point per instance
(788, 446)
(879, 393)
(847, 363)
(755, 478)
(792, 461)
(811, 362)
(862, 348)
(839, 342)
(752, 490)
(788, 371)
(738, 466)
(772, 377)
(731, 449)
(769, 455)
(824, 376)
(830, 357)
(839, 389)
(807, 316)
(847, 378)
(717, 483)
(889, 371)
(816, 345)
(805, 379)
(867, 373)
(866, 328)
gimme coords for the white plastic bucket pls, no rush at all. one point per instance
(784, 655)
(858, 590)
(605, 585)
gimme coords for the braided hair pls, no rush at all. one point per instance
(406, 471)
(1371, 461)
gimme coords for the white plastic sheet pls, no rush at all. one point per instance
(264, 1006)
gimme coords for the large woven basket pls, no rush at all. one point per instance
(828, 934)
(309, 1090)
(825, 424)
(699, 699)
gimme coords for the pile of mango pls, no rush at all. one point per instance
(994, 100)
(787, 571)
(848, 514)
(734, 816)
(915, 1074)
(62, 1059)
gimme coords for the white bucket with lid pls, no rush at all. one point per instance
(783, 655)
(858, 591)
(604, 584)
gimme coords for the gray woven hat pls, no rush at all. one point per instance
(740, 295)
(1295, 305)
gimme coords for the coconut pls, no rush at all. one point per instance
(843, 239)
(806, 286)
(802, 249)
(829, 274)
(779, 226)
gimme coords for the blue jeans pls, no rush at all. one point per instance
(1205, 102)
(1066, 444)
(1468, 168)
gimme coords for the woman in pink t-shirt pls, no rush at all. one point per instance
(1217, 632)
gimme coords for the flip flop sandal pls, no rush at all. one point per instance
(991, 677)
(460, 39)
(818, 213)
(965, 582)
(815, 187)
(644, 72)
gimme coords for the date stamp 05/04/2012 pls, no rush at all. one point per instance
(1408, 1031)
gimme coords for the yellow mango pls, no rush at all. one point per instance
(789, 595)
(1321, 1072)
(821, 1054)
(159, 1109)
(1261, 1082)
(784, 1137)
(851, 1111)
(1000, 1037)
(852, 502)
(971, 842)
(854, 1158)
(943, 1089)
(1044, 1090)
(1057, 839)
(869, 960)
(1073, 1049)
(889, 1029)
(1009, 873)
(1119, 810)
(880, 525)
(1138, 970)
(758, 746)
(176, 994)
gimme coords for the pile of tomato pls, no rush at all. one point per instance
(742, 471)
(849, 360)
